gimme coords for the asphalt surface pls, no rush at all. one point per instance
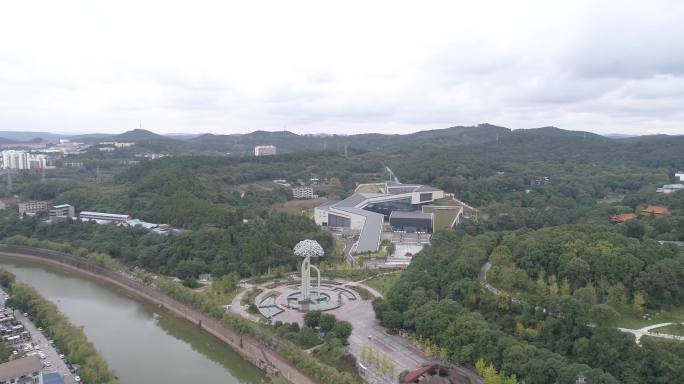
(58, 365)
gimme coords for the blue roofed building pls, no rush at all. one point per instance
(52, 378)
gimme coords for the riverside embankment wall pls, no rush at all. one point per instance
(252, 350)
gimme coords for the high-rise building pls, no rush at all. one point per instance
(12, 159)
(264, 150)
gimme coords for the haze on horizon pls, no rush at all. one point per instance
(349, 67)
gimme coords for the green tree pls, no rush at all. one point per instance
(312, 319)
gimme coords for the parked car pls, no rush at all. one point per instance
(77, 379)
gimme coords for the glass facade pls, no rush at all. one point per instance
(411, 225)
(338, 221)
(386, 207)
(425, 196)
(399, 190)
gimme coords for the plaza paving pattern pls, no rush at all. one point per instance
(366, 329)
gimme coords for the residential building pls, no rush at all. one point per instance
(264, 150)
(117, 144)
(303, 193)
(366, 212)
(107, 149)
(105, 218)
(12, 159)
(22, 160)
(655, 211)
(62, 211)
(680, 175)
(32, 207)
(37, 161)
(25, 370)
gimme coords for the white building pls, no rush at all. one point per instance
(117, 144)
(105, 218)
(366, 212)
(62, 211)
(264, 150)
(303, 193)
(670, 188)
(12, 159)
(38, 161)
(32, 207)
(680, 175)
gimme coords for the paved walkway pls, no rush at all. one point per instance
(366, 331)
(646, 331)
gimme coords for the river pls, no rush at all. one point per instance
(141, 343)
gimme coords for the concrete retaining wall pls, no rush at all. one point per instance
(252, 350)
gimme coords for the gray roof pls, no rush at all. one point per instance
(325, 206)
(105, 214)
(19, 367)
(352, 201)
(369, 238)
(427, 188)
(410, 215)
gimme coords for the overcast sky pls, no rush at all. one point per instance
(355, 66)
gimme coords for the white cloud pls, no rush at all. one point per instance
(354, 66)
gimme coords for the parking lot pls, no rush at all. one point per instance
(40, 345)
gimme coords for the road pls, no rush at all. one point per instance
(58, 365)
(646, 331)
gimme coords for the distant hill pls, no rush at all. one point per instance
(24, 136)
(4, 140)
(290, 142)
(148, 140)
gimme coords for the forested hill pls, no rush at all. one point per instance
(290, 142)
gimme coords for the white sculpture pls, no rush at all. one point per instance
(308, 249)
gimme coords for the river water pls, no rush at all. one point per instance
(141, 343)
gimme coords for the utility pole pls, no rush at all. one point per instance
(98, 177)
(9, 180)
(346, 152)
(325, 145)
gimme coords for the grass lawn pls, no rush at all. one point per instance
(296, 207)
(369, 188)
(630, 320)
(384, 283)
(674, 329)
(443, 217)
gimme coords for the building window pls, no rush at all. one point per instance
(425, 197)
